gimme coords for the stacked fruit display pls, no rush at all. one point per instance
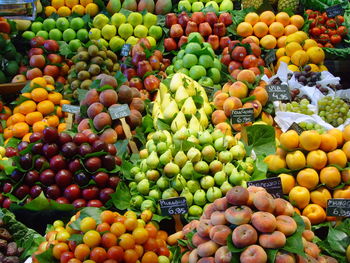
(65, 8)
(262, 225)
(119, 29)
(78, 170)
(317, 172)
(271, 30)
(159, 7)
(88, 64)
(211, 27)
(196, 6)
(328, 32)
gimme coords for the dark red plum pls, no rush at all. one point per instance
(74, 166)
(72, 192)
(57, 163)
(79, 203)
(47, 177)
(50, 150)
(69, 149)
(35, 191)
(94, 203)
(63, 178)
(101, 179)
(105, 194)
(31, 177)
(93, 164)
(50, 135)
(53, 192)
(26, 161)
(90, 193)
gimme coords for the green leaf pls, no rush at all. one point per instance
(232, 247)
(121, 197)
(122, 148)
(125, 169)
(8, 166)
(294, 243)
(159, 218)
(93, 212)
(77, 238)
(161, 125)
(120, 77)
(13, 142)
(260, 169)
(271, 255)
(81, 94)
(46, 256)
(261, 139)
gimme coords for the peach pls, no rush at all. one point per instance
(218, 116)
(307, 259)
(238, 89)
(108, 97)
(253, 254)
(207, 260)
(224, 127)
(193, 256)
(219, 234)
(207, 249)
(223, 255)
(90, 97)
(107, 80)
(204, 227)
(137, 104)
(238, 215)
(83, 125)
(231, 103)
(272, 240)
(235, 73)
(283, 207)
(237, 195)
(260, 94)
(218, 218)
(312, 249)
(307, 222)
(221, 204)
(94, 109)
(109, 136)
(209, 209)
(197, 240)
(267, 118)
(252, 190)
(219, 100)
(246, 75)
(286, 225)
(308, 235)
(244, 235)
(190, 227)
(101, 120)
(264, 222)
(226, 86)
(256, 105)
(263, 201)
(308, 178)
(185, 257)
(284, 257)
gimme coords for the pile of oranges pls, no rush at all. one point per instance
(268, 29)
(109, 238)
(42, 108)
(67, 7)
(318, 169)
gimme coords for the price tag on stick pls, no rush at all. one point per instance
(70, 109)
(295, 126)
(272, 185)
(243, 115)
(338, 207)
(278, 92)
(335, 10)
(174, 207)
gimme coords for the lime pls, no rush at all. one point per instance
(125, 30)
(43, 34)
(217, 64)
(94, 34)
(155, 31)
(192, 48)
(74, 44)
(77, 23)
(117, 19)
(49, 23)
(116, 43)
(83, 35)
(62, 23)
(197, 71)
(184, 71)
(190, 60)
(181, 54)
(36, 27)
(140, 31)
(28, 35)
(135, 19)
(69, 34)
(214, 74)
(195, 37)
(206, 61)
(55, 34)
(178, 64)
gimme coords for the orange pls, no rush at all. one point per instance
(310, 140)
(27, 106)
(55, 97)
(268, 42)
(46, 107)
(39, 126)
(62, 127)
(260, 29)
(71, 3)
(288, 182)
(297, 20)
(62, 102)
(26, 138)
(307, 178)
(337, 157)
(252, 18)
(299, 196)
(255, 39)
(79, 9)
(33, 117)
(328, 142)
(52, 121)
(149, 257)
(17, 117)
(27, 95)
(39, 94)
(59, 111)
(289, 140)
(276, 29)
(330, 176)
(338, 135)
(290, 29)
(316, 159)
(57, 3)
(267, 17)
(275, 162)
(8, 132)
(64, 11)
(49, 10)
(346, 150)
(320, 196)
(38, 82)
(283, 18)
(295, 160)
(315, 213)
(346, 133)
(281, 41)
(244, 29)
(20, 129)
(91, 9)
(85, 2)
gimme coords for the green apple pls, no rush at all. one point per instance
(103, 42)
(226, 5)
(189, 60)
(135, 19)
(74, 44)
(197, 6)
(195, 35)
(94, 34)
(149, 20)
(69, 34)
(152, 41)
(108, 31)
(213, 4)
(192, 47)
(132, 40)
(156, 32)
(214, 74)
(49, 23)
(184, 5)
(77, 23)
(217, 64)
(125, 30)
(206, 61)
(140, 31)
(28, 35)
(100, 21)
(43, 34)
(116, 43)
(36, 27)
(55, 34)
(197, 71)
(62, 23)
(83, 35)
(117, 19)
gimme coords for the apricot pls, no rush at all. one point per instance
(244, 235)
(101, 120)
(295, 160)
(338, 135)
(224, 127)
(94, 109)
(308, 235)
(283, 207)
(272, 240)
(246, 75)
(197, 240)
(137, 104)
(299, 196)
(342, 193)
(316, 159)
(328, 142)
(286, 225)
(207, 260)
(237, 195)
(284, 257)
(312, 249)
(307, 222)
(231, 103)
(267, 118)
(315, 213)
(288, 182)
(346, 133)
(264, 222)
(223, 255)
(109, 136)
(238, 215)
(256, 105)
(310, 140)
(330, 176)
(219, 234)
(320, 196)
(289, 140)
(239, 90)
(275, 162)
(108, 97)
(207, 249)
(263, 201)
(204, 227)
(253, 253)
(337, 157)
(219, 100)
(260, 94)
(218, 218)
(308, 178)
(218, 116)
(221, 204)
(90, 97)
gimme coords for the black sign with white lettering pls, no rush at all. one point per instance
(272, 185)
(243, 115)
(209, 90)
(173, 206)
(338, 207)
(270, 57)
(120, 111)
(278, 92)
(336, 10)
(125, 50)
(70, 108)
(295, 126)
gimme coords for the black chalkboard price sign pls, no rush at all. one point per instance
(295, 126)
(209, 90)
(125, 50)
(335, 10)
(243, 115)
(173, 206)
(270, 57)
(120, 111)
(272, 185)
(278, 92)
(70, 108)
(338, 207)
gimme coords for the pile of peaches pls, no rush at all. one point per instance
(212, 28)
(246, 226)
(317, 170)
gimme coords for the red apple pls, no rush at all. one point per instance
(136, 83)
(232, 45)
(239, 53)
(51, 45)
(37, 41)
(198, 17)
(37, 61)
(143, 67)
(170, 19)
(183, 19)
(226, 59)
(176, 31)
(219, 29)
(224, 42)
(205, 29)
(52, 71)
(54, 58)
(129, 73)
(191, 27)
(211, 18)
(213, 40)
(151, 83)
(225, 18)
(170, 44)
(183, 40)
(35, 51)
(144, 42)
(234, 65)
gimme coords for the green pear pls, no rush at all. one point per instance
(139, 177)
(216, 134)
(143, 187)
(205, 138)
(228, 168)
(169, 138)
(171, 169)
(169, 193)
(178, 183)
(199, 197)
(151, 146)
(178, 122)
(193, 186)
(163, 90)
(184, 5)
(163, 183)
(194, 155)
(159, 136)
(170, 111)
(193, 139)
(117, 19)
(155, 194)
(113, 6)
(213, 4)
(135, 170)
(152, 160)
(236, 177)
(238, 152)
(188, 195)
(100, 21)
(181, 95)
(220, 177)
(225, 187)
(135, 19)
(187, 170)
(182, 134)
(165, 157)
(225, 157)
(130, 5)
(143, 166)
(189, 107)
(140, 31)
(213, 193)
(197, 6)
(163, 7)
(162, 147)
(194, 126)
(203, 119)
(208, 153)
(226, 5)
(156, 32)
(201, 167)
(215, 166)
(180, 159)
(149, 20)
(152, 175)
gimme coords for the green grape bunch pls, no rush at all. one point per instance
(333, 110)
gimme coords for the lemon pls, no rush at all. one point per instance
(322, 68)
(293, 68)
(284, 59)
(280, 52)
(293, 38)
(302, 35)
(314, 67)
(309, 43)
(292, 47)
(300, 58)
(316, 55)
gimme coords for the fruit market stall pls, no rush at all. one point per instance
(175, 131)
